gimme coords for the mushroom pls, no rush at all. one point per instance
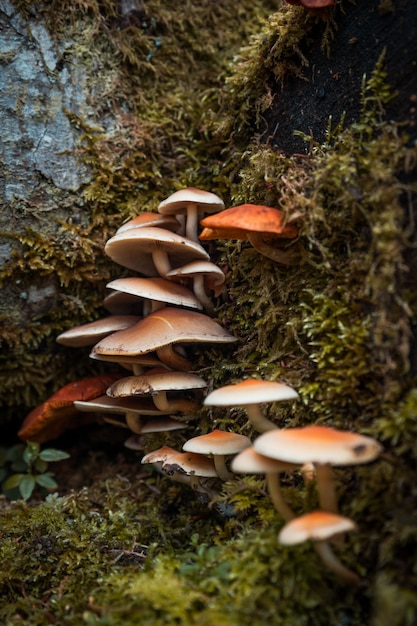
(263, 226)
(323, 446)
(156, 385)
(251, 462)
(169, 222)
(191, 464)
(119, 303)
(219, 444)
(136, 363)
(202, 274)
(319, 526)
(157, 291)
(159, 332)
(88, 334)
(250, 393)
(59, 413)
(152, 251)
(192, 202)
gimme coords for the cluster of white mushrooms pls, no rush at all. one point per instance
(152, 320)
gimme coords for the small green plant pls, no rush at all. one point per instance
(24, 466)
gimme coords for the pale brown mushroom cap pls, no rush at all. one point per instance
(160, 455)
(150, 383)
(217, 442)
(151, 219)
(250, 391)
(158, 290)
(119, 303)
(190, 463)
(235, 222)
(162, 328)
(318, 444)
(177, 203)
(213, 276)
(134, 248)
(251, 462)
(316, 525)
(119, 406)
(88, 334)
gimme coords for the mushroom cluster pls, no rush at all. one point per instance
(153, 317)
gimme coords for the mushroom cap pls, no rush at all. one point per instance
(250, 391)
(316, 525)
(149, 383)
(248, 218)
(161, 328)
(212, 273)
(119, 303)
(151, 219)
(177, 203)
(157, 289)
(318, 444)
(129, 360)
(59, 413)
(88, 334)
(217, 442)
(160, 455)
(162, 424)
(190, 463)
(251, 462)
(133, 248)
(118, 406)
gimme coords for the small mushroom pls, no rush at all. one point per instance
(320, 526)
(251, 462)
(192, 202)
(219, 444)
(323, 446)
(59, 413)
(204, 275)
(169, 222)
(191, 464)
(263, 226)
(250, 393)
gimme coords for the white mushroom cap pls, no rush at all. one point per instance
(250, 391)
(151, 219)
(88, 334)
(178, 202)
(217, 442)
(316, 525)
(152, 251)
(157, 290)
(317, 444)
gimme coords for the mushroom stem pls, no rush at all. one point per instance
(275, 493)
(161, 261)
(331, 561)
(326, 487)
(258, 419)
(200, 292)
(291, 256)
(169, 356)
(179, 405)
(191, 224)
(221, 468)
(134, 422)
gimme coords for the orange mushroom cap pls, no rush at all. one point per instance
(57, 414)
(235, 222)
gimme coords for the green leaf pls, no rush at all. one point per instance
(19, 466)
(46, 480)
(50, 454)
(26, 486)
(13, 481)
(31, 452)
(40, 465)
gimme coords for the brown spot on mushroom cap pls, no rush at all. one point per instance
(318, 444)
(249, 218)
(59, 413)
(88, 334)
(157, 289)
(163, 328)
(138, 249)
(316, 525)
(217, 442)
